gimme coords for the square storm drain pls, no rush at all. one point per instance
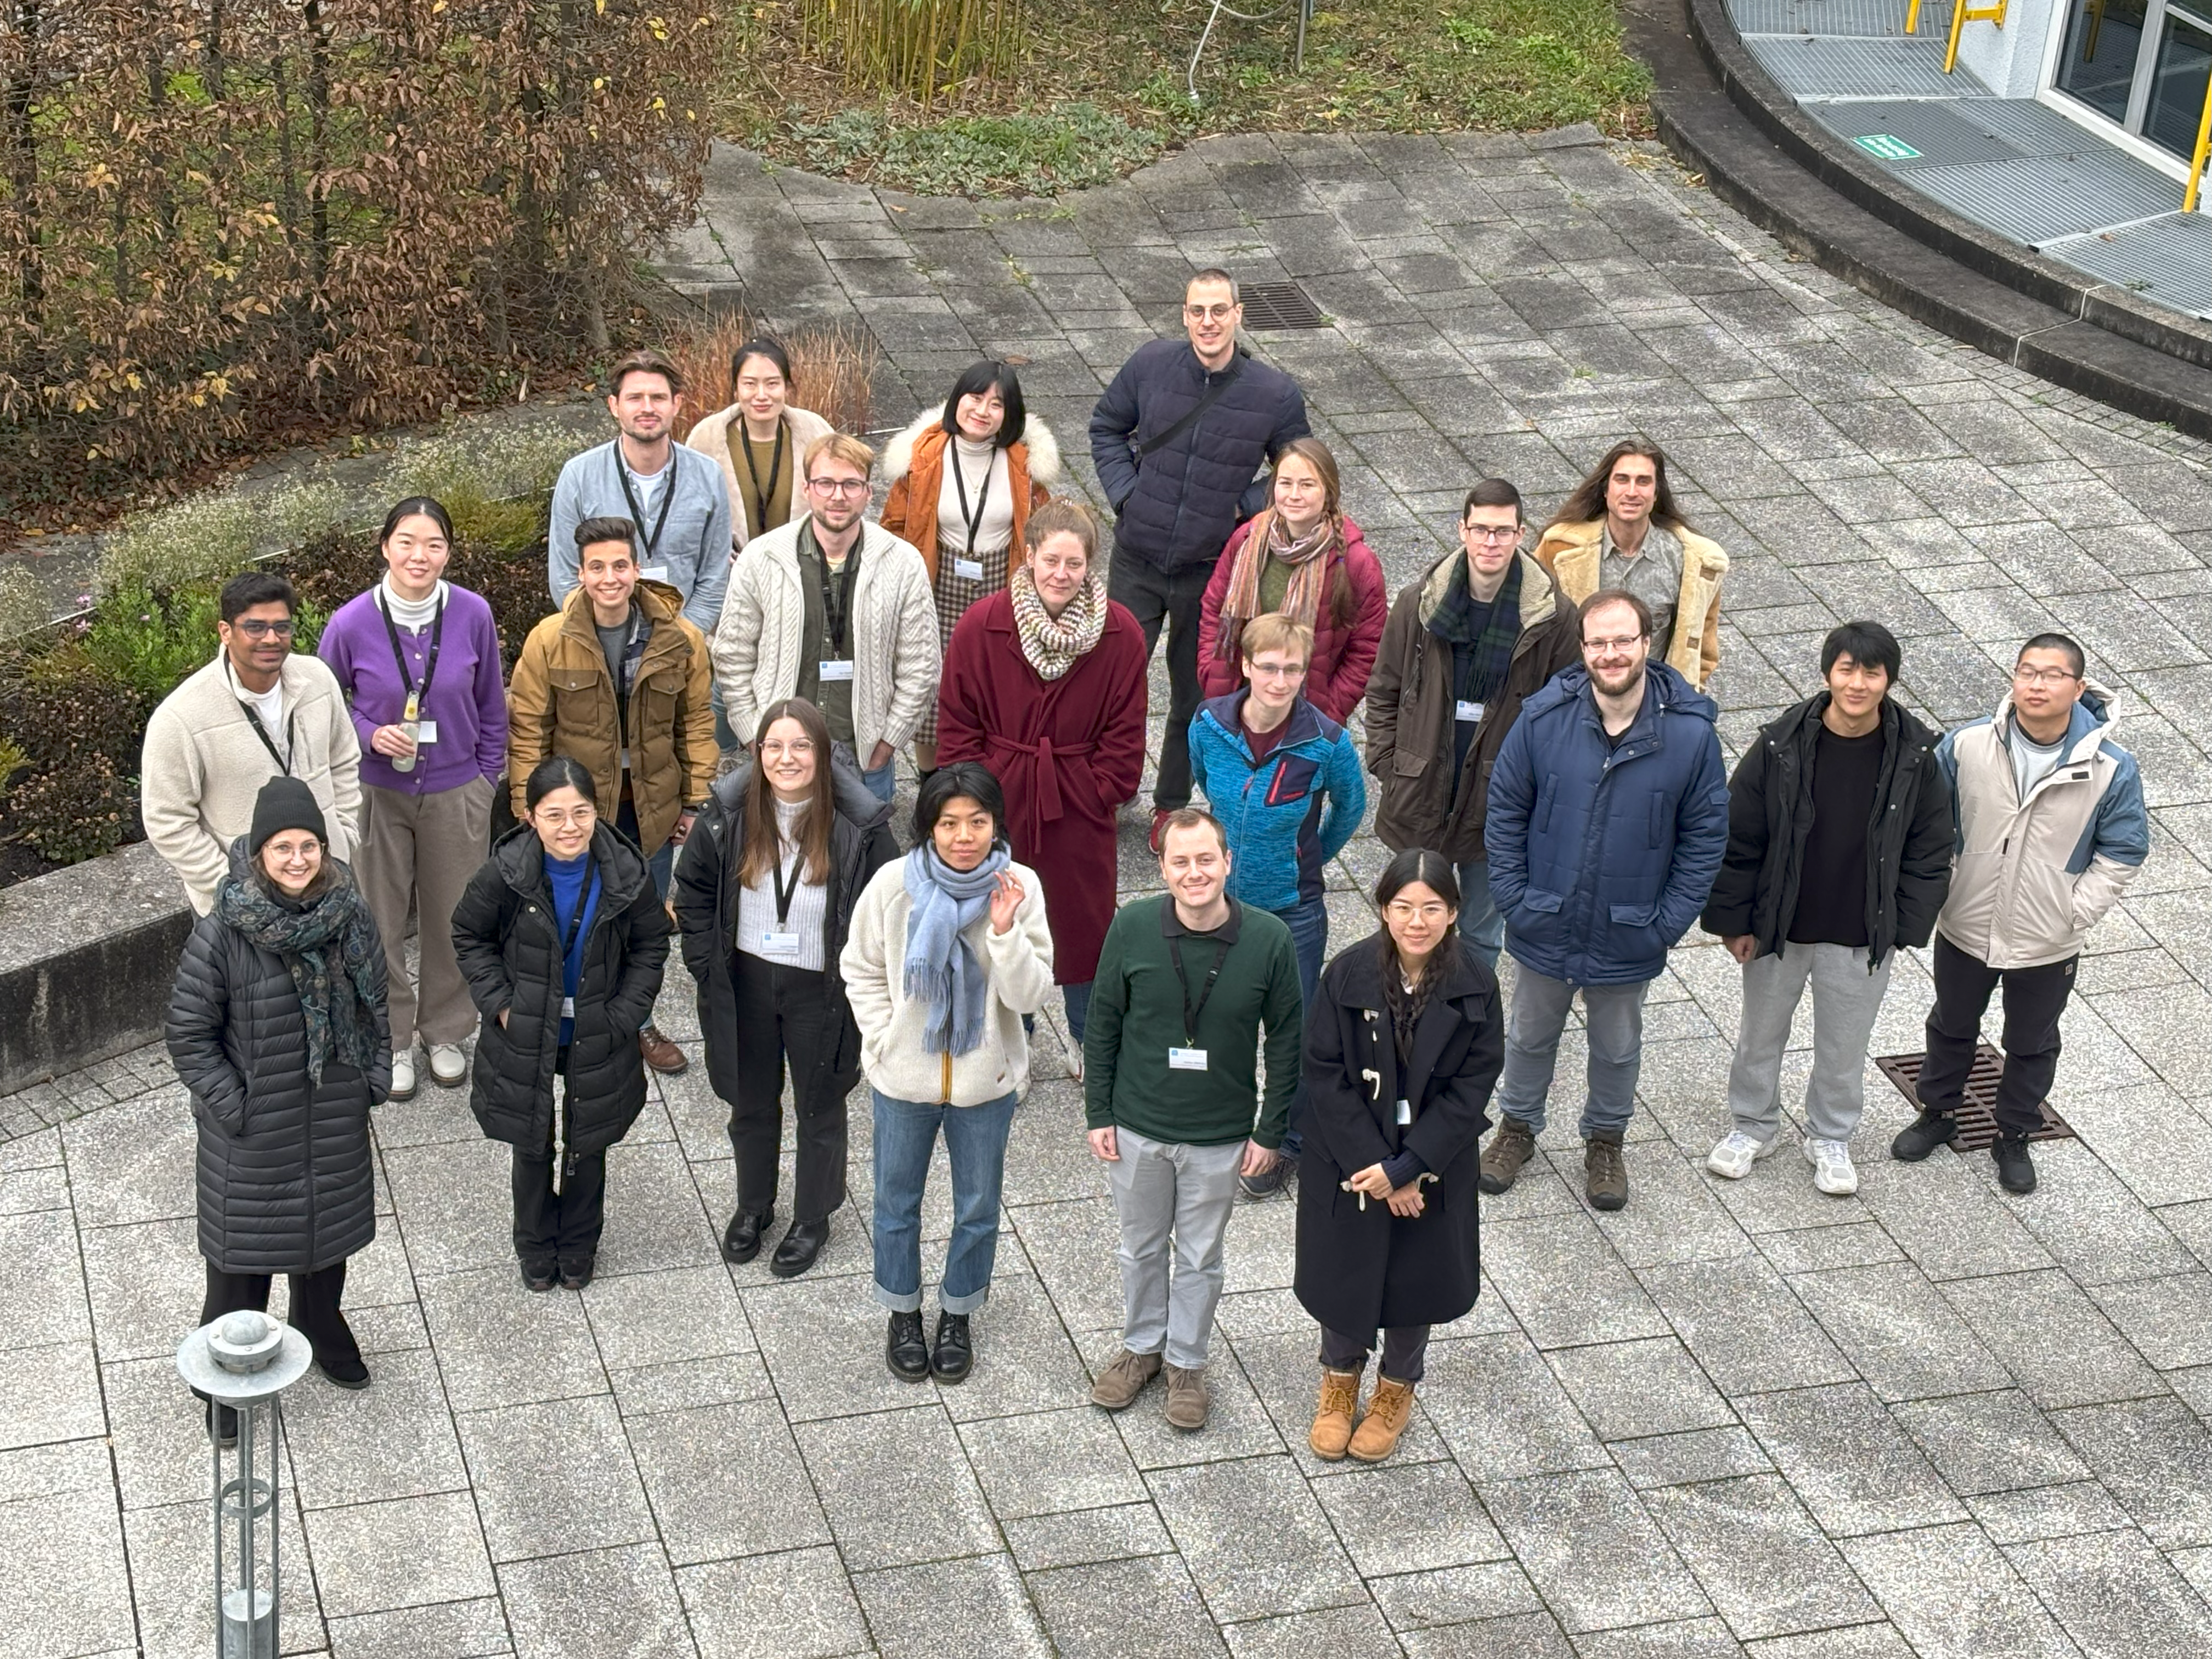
(1278, 305)
(1976, 1117)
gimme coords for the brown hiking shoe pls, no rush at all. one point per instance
(1121, 1382)
(1187, 1400)
(1513, 1145)
(1388, 1410)
(1332, 1425)
(659, 1053)
(1605, 1174)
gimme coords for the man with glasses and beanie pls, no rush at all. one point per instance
(1466, 646)
(260, 710)
(2051, 828)
(833, 608)
(1178, 440)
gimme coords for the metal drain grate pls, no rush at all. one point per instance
(1279, 305)
(1816, 67)
(2039, 198)
(1978, 1125)
(1886, 129)
(1879, 18)
(2167, 260)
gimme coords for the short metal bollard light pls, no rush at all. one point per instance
(245, 1361)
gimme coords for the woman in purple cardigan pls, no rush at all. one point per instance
(419, 660)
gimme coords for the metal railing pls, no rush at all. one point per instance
(2203, 154)
(1962, 14)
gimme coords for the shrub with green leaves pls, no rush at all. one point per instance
(1035, 153)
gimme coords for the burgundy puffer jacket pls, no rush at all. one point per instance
(1343, 658)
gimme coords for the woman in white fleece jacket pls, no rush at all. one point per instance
(947, 952)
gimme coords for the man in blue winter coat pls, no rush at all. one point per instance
(1179, 439)
(1606, 823)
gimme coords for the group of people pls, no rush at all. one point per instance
(702, 741)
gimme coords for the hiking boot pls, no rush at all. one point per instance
(2015, 1168)
(904, 1351)
(1513, 1145)
(953, 1355)
(1390, 1408)
(1187, 1400)
(1737, 1151)
(664, 1056)
(1923, 1136)
(1332, 1425)
(1832, 1165)
(1605, 1174)
(1121, 1382)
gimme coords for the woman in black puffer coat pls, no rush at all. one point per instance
(562, 939)
(277, 1028)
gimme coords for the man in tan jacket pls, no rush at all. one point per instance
(620, 680)
(835, 610)
(259, 710)
(1620, 529)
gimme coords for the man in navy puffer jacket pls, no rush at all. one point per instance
(1179, 488)
(1608, 819)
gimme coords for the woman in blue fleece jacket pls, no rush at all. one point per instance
(1284, 780)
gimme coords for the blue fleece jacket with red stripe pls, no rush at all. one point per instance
(1287, 815)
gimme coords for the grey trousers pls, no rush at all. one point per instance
(1613, 1016)
(1162, 1190)
(418, 852)
(1846, 997)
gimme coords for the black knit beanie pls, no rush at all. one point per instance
(284, 804)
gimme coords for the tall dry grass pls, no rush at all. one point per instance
(923, 48)
(830, 370)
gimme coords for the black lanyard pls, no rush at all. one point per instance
(775, 465)
(629, 497)
(836, 616)
(783, 889)
(1190, 1015)
(421, 693)
(576, 918)
(254, 719)
(975, 520)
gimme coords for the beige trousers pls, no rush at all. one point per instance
(418, 852)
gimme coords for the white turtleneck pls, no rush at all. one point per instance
(413, 615)
(996, 530)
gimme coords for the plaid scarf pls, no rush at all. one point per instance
(1482, 657)
(331, 948)
(1307, 559)
(1055, 646)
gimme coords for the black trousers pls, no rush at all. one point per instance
(1154, 595)
(1405, 1352)
(314, 1312)
(2033, 1000)
(563, 1226)
(786, 1015)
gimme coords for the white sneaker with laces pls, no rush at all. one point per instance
(449, 1066)
(1736, 1153)
(1832, 1166)
(402, 1074)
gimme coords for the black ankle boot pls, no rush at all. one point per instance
(904, 1351)
(2015, 1168)
(1923, 1136)
(953, 1357)
(741, 1240)
(796, 1254)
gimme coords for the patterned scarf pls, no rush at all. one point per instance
(942, 972)
(331, 948)
(1054, 645)
(1492, 658)
(1306, 555)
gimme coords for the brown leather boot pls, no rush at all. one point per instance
(1388, 1410)
(659, 1053)
(1605, 1173)
(1332, 1425)
(1513, 1145)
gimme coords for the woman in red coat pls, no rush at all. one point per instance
(1303, 557)
(1044, 683)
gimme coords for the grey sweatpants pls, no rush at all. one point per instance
(1846, 997)
(1161, 1189)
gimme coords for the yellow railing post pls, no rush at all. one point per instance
(1963, 14)
(2203, 153)
(1912, 18)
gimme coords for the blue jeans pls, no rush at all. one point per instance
(1308, 920)
(883, 782)
(1479, 924)
(660, 865)
(1077, 1000)
(975, 1141)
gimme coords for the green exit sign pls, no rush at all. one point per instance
(1888, 149)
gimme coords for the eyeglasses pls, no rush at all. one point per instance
(1209, 314)
(1488, 532)
(1275, 670)
(797, 749)
(839, 486)
(1399, 910)
(1621, 644)
(254, 628)
(554, 818)
(2042, 676)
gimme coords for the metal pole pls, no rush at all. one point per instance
(2203, 150)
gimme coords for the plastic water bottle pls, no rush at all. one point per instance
(410, 723)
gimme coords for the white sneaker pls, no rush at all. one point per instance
(1832, 1166)
(1736, 1153)
(402, 1074)
(449, 1066)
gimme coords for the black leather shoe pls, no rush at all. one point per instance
(796, 1254)
(904, 1351)
(741, 1239)
(346, 1373)
(576, 1271)
(538, 1273)
(222, 1420)
(953, 1357)
(2015, 1168)
(1923, 1136)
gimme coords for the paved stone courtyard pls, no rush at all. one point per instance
(1734, 1420)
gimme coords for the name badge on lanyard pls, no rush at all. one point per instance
(841, 670)
(1186, 1060)
(1468, 712)
(782, 945)
(1405, 1111)
(969, 570)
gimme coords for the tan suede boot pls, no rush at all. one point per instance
(1388, 1410)
(1332, 1425)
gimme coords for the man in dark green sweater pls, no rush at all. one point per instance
(1170, 1087)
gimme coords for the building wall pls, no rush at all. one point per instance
(2008, 60)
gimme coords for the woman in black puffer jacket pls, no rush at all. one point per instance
(562, 939)
(277, 1028)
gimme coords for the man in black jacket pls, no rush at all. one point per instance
(1178, 440)
(1839, 850)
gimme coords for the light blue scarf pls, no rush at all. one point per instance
(941, 970)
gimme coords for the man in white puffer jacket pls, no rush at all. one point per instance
(2052, 828)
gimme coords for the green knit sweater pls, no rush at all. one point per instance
(1137, 1005)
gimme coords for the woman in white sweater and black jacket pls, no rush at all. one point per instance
(948, 950)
